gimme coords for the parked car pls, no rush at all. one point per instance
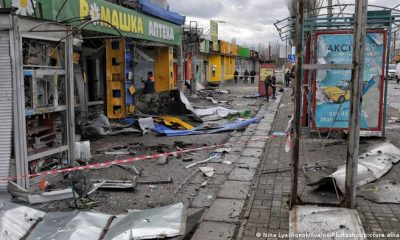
(397, 72)
(337, 94)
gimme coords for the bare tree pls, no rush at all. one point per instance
(311, 7)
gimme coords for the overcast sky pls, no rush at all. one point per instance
(249, 21)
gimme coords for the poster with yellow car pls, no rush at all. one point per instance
(331, 87)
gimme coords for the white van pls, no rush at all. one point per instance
(397, 72)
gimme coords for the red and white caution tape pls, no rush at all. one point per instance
(128, 160)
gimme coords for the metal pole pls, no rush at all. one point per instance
(69, 69)
(386, 82)
(330, 14)
(180, 67)
(297, 105)
(357, 77)
(19, 121)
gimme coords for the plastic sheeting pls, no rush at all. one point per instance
(199, 130)
(168, 221)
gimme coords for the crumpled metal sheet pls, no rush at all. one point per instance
(386, 191)
(386, 148)
(168, 221)
(372, 165)
(70, 226)
(370, 168)
(319, 222)
(16, 220)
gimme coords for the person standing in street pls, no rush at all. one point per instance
(246, 76)
(149, 84)
(235, 76)
(287, 78)
(270, 81)
(252, 76)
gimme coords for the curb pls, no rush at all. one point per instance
(232, 202)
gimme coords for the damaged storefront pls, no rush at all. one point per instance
(37, 100)
(64, 61)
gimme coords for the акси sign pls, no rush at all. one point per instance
(129, 22)
(331, 92)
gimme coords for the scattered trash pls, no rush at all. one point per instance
(212, 100)
(257, 95)
(130, 167)
(168, 221)
(220, 111)
(222, 150)
(43, 184)
(386, 191)
(199, 162)
(238, 125)
(175, 122)
(162, 160)
(393, 120)
(288, 144)
(166, 181)
(220, 91)
(98, 128)
(124, 131)
(207, 171)
(204, 184)
(117, 153)
(34, 198)
(146, 124)
(82, 151)
(187, 159)
(227, 162)
(116, 184)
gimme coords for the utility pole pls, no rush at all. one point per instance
(297, 104)
(330, 14)
(357, 78)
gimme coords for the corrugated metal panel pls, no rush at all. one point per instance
(6, 110)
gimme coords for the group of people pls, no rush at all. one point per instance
(252, 74)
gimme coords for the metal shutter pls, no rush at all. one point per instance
(6, 110)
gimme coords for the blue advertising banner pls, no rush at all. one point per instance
(291, 58)
(332, 87)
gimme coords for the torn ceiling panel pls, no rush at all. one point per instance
(168, 221)
(323, 223)
(16, 220)
(70, 226)
(372, 165)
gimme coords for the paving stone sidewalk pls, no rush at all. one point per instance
(228, 200)
(267, 213)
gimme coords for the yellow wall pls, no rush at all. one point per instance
(229, 67)
(115, 79)
(215, 63)
(164, 69)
